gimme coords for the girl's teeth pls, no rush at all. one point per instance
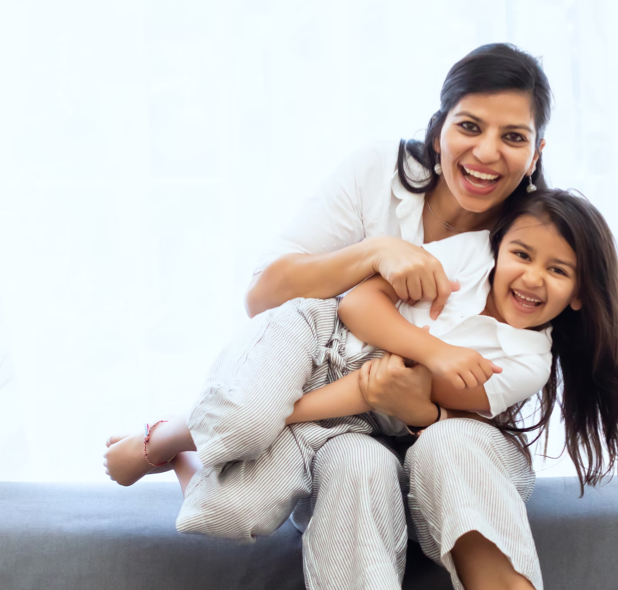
(523, 298)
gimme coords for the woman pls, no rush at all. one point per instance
(482, 147)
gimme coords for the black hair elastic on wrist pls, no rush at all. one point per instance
(416, 429)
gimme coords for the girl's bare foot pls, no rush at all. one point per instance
(125, 462)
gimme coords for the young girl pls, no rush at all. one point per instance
(554, 262)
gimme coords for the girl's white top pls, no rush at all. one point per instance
(524, 355)
(364, 198)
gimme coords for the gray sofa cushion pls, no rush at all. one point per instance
(102, 536)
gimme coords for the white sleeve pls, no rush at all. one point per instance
(522, 376)
(332, 219)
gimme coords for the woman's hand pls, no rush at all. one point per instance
(461, 367)
(396, 390)
(414, 273)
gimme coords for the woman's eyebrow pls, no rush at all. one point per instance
(479, 120)
(533, 251)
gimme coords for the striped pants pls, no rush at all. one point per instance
(353, 497)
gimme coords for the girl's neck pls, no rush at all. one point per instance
(490, 308)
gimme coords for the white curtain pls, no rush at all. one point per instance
(150, 148)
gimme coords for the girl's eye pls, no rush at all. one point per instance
(558, 270)
(515, 137)
(469, 126)
(522, 255)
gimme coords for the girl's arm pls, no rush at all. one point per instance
(344, 398)
(369, 312)
(337, 399)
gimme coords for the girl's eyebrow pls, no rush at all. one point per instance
(553, 260)
(479, 120)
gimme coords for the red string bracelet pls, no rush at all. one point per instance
(149, 430)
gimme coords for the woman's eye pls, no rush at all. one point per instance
(469, 126)
(515, 137)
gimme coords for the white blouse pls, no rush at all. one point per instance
(365, 198)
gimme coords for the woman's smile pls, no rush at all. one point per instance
(479, 180)
(487, 146)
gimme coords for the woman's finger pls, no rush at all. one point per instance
(428, 286)
(415, 290)
(401, 287)
(363, 378)
(444, 290)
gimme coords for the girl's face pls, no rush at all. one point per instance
(535, 277)
(487, 145)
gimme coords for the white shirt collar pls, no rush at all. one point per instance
(516, 341)
(410, 211)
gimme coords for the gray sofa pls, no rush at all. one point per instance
(104, 537)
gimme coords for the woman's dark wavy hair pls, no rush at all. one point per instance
(497, 67)
(585, 342)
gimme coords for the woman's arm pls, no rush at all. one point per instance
(311, 275)
(412, 271)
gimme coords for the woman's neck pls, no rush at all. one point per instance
(447, 212)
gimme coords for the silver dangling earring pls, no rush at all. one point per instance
(438, 167)
(531, 187)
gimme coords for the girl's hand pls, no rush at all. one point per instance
(462, 367)
(413, 272)
(390, 387)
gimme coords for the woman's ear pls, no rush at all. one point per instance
(576, 304)
(536, 157)
(436, 145)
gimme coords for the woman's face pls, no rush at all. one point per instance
(486, 147)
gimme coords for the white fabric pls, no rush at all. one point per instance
(524, 355)
(362, 199)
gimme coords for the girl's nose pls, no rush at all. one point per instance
(533, 276)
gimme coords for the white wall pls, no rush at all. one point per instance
(148, 149)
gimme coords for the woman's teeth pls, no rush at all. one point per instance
(526, 301)
(486, 179)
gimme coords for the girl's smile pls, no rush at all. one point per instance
(535, 277)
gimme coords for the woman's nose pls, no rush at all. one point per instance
(486, 149)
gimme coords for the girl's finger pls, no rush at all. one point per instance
(469, 378)
(458, 382)
(496, 368)
(479, 375)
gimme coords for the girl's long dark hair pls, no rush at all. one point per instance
(490, 68)
(585, 342)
